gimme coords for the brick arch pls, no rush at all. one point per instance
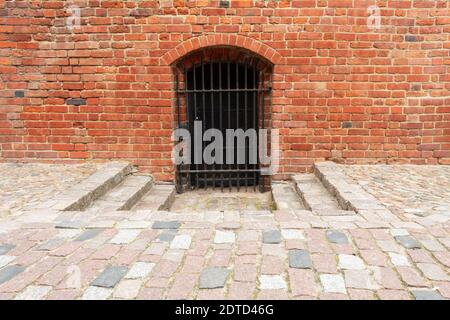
(205, 41)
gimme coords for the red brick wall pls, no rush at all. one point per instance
(340, 90)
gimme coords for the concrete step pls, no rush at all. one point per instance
(125, 195)
(159, 197)
(285, 196)
(83, 194)
(316, 197)
(207, 200)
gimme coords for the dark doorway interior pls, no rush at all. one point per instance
(223, 95)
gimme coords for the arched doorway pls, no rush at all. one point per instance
(222, 99)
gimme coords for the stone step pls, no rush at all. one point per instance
(213, 200)
(350, 195)
(159, 197)
(316, 197)
(125, 195)
(82, 195)
(285, 196)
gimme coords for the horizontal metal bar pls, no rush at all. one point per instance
(223, 90)
(219, 170)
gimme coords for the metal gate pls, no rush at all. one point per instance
(220, 95)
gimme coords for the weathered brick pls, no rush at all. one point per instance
(333, 88)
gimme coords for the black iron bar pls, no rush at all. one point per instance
(215, 170)
(195, 118)
(229, 116)
(179, 175)
(263, 119)
(255, 123)
(223, 90)
(203, 116)
(237, 119)
(188, 119)
(212, 112)
(220, 121)
(246, 150)
(262, 101)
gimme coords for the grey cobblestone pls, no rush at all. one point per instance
(299, 259)
(336, 237)
(88, 234)
(426, 295)
(5, 248)
(166, 225)
(408, 242)
(272, 237)
(9, 272)
(211, 278)
(110, 277)
(227, 257)
(24, 186)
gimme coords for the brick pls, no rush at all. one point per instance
(303, 283)
(338, 87)
(393, 295)
(387, 278)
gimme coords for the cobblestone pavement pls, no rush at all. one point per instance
(406, 189)
(285, 254)
(24, 185)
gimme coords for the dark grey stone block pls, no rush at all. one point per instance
(19, 93)
(410, 38)
(76, 101)
(211, 278)
(166, 225)
(51, 244)
(110, 277)
(271, 237)
(88, 234)
(408, 242)
(426, 295)
(336, 237)
(167, 236)
(224, 3)
(9, 272)
(347, 124)
(299, 259)
(4, 248)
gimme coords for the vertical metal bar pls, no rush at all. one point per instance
(220, 120)
(195, 175)
(178, 175)
(203, 117)
(237, 123)
(188, 118)
(214, 166)
(246, 150)
(263, 118)
(269, 106)
(177, 83)
(262, 100)
(255, 122)
(229, 117)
